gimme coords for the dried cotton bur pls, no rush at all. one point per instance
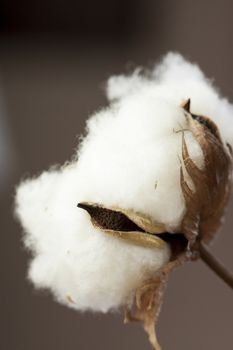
(151, 178)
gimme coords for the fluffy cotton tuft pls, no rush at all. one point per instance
(128, 159)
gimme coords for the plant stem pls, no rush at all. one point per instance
(215, 265)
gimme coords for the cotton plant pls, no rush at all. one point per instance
(145, 191)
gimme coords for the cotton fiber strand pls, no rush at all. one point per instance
(130, 158)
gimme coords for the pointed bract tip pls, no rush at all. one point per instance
(186, 105)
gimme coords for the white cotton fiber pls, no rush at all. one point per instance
(128, 159)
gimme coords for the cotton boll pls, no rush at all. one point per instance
(124, 161)
(76, 261)
(130, 158)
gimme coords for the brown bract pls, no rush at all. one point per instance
(205, 204)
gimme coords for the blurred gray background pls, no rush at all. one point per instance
(55, 57)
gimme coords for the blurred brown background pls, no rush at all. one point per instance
(54, 59)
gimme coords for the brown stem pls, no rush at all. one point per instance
(215, 265)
